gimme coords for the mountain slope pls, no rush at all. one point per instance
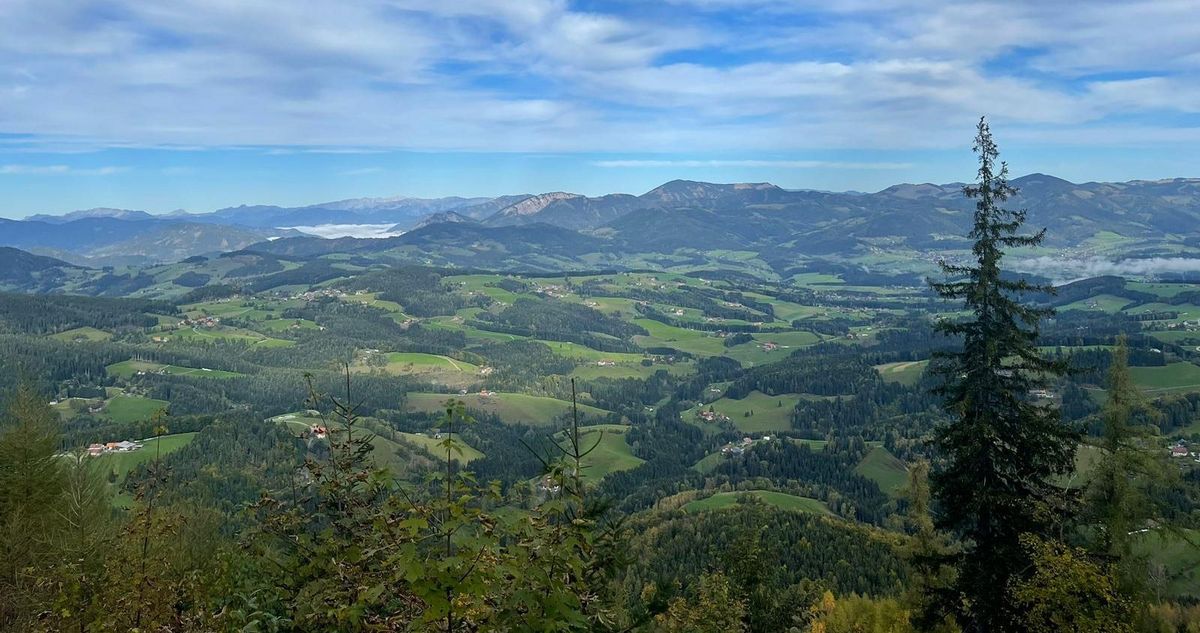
(26, 272)
(567, 210)
(436, 218)
(112, 241)
(99, 212)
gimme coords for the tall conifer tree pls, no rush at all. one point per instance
(998, 457)
(1127, 488)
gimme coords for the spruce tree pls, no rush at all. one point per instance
(31, 480)
(998, 457)
(1128, 485)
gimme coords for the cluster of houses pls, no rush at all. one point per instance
(1187, 326)
(311, 295)
(96, 450)
(712, 417)
(606, 363)
(201, 321)
(551, 290)
(736, 449)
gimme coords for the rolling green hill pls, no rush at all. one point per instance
(726, 500)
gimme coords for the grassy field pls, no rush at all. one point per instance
(592, 371)
(1180, 376)
(1184, 311)
(820, 279)
(413, 359)
(370, 299)
(124, 408)
(472, 333)
(223, 333)
(121, 464)
(770, 413)
(905, 373)
(1177, 337)
(510, 407)
(434, 447)
(723, 500)
(284, 325)
(82, 334)
(1178, 555)
(690, 341)
(440, 369)
(227, 309)
(481, 284)
(1161, 289)
(575, 351)
(754, 352)
(385, 451)
(127, 368)
(881, 467)
(611, 452)
(708, 462)
(1102, 303)
(787, 311)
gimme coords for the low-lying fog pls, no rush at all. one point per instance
(1062, 269)
(330, 231)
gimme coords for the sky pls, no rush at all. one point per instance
(202, 104)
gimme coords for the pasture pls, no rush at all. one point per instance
(129, 368)
(756, 413)
(783, 501)
(609, 451)
(883, 468)
(123, 408)
(509, 407)
(83, 335)
(1174, 377)
(906, 372)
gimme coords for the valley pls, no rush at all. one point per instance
(713, 388)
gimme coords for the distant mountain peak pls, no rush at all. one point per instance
(917, 190)
(690, 190)
(97, 212)
(437, 218)
(1041, 180)
(535, 204)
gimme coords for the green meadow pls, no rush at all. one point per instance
(726, 500)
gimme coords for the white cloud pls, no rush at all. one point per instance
(56, 170)
(780, 164)
(542, 75)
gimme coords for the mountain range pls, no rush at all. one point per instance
(778, 225)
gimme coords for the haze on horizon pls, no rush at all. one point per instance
(199, 105)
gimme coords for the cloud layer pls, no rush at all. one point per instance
(545, 75)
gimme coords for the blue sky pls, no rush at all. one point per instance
(200, 104)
